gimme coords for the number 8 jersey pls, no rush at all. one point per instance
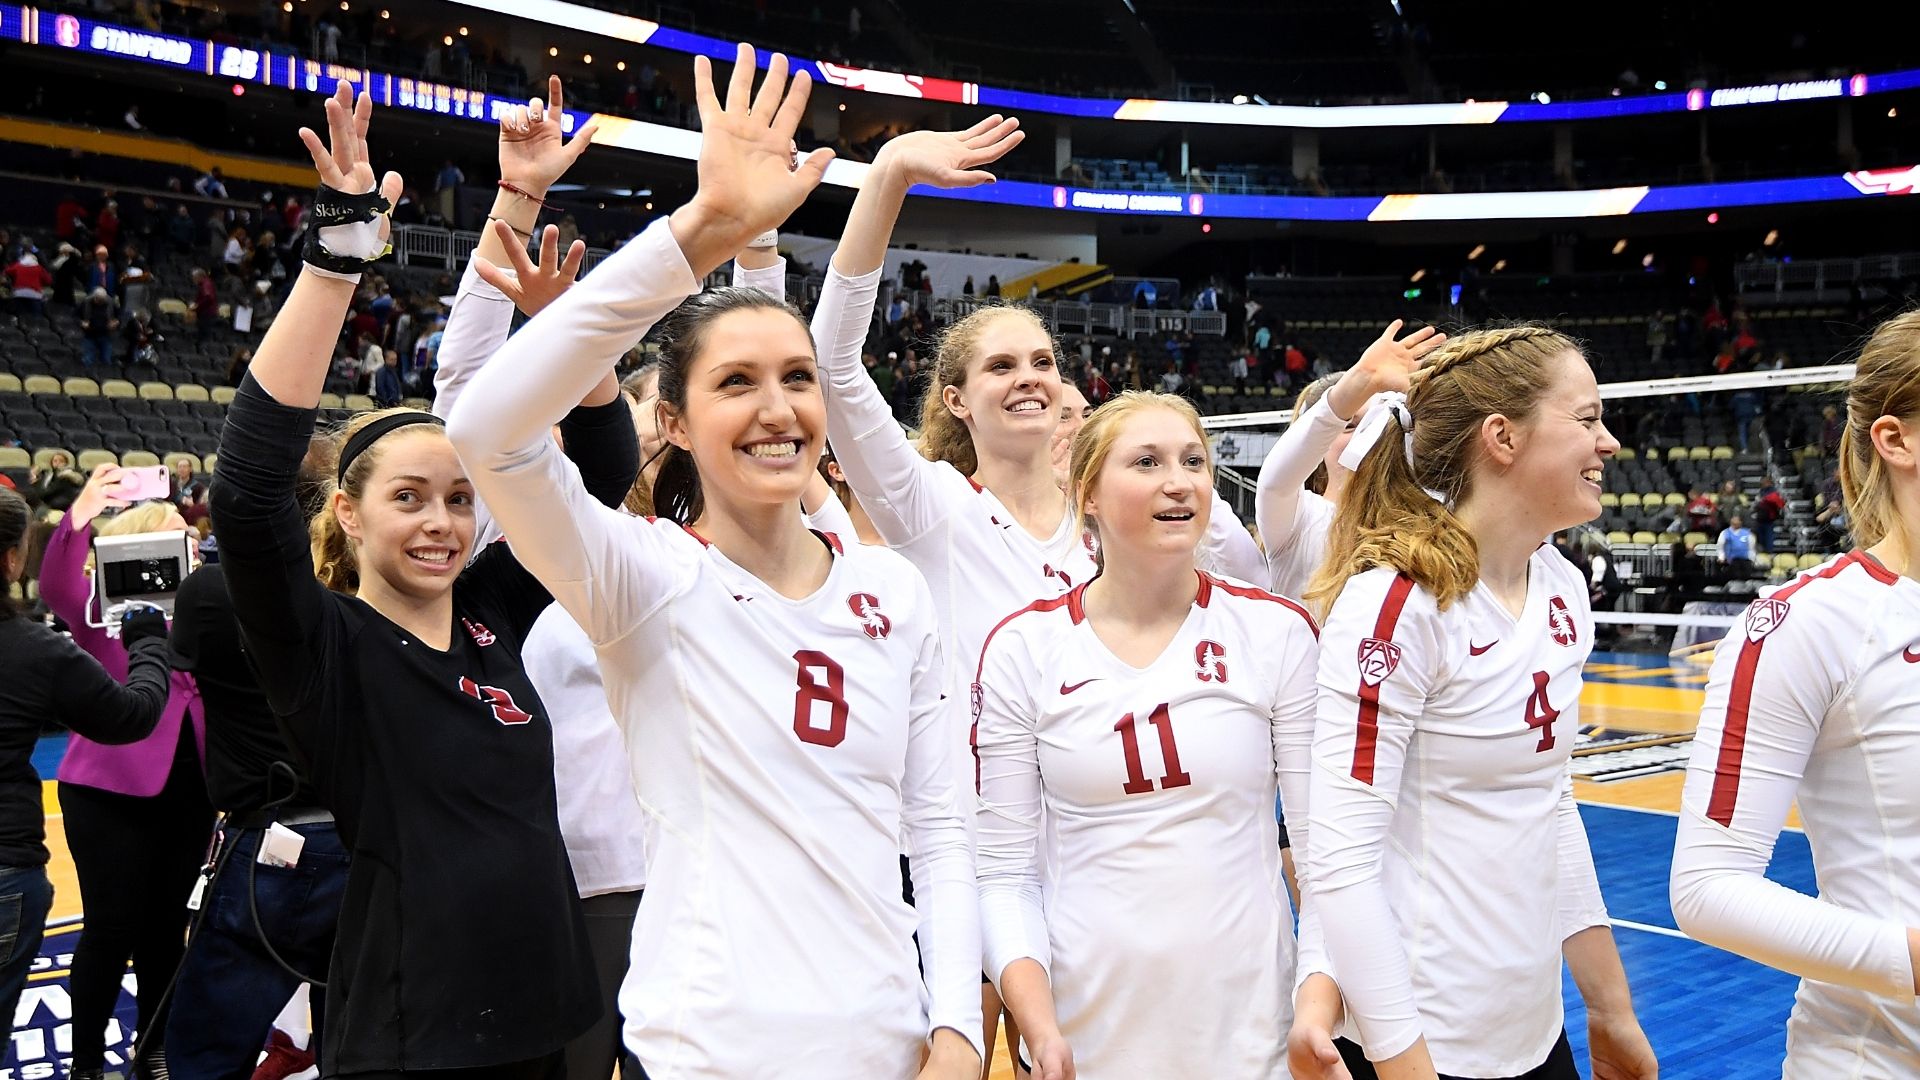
(1165, 925)
(1445, 859)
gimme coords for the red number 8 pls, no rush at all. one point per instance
(834, 692)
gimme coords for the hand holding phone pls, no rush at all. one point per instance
(144, 482)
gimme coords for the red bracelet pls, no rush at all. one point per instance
(506, 186)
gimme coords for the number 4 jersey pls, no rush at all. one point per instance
(1445, 859)
(1163, 922)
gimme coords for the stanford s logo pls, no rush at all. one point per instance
(1377, 660)
(1210, 662)
(1560, 622)
(500, 701)
(1764, 617)
(866, 608)
(482, 636)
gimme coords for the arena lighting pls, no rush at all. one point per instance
(1543, 97)
(385, 14)
(1659, 84)
(553, 50)
(583, 18)
(118, 44)
(1418, 274)
(1478, 250)
(619, 65)
(239, 90)
(1239, 99)
(1499, 266)
(1206, 226)
(1893, 113)
(1620, 246)
(587, 59)
(288, 6)
(463, 31)
(1647, 260)
(1773, 237)
(1713, 219)
(447, 39)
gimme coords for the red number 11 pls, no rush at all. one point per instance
(1137, 782)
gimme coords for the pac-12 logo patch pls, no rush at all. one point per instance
(1560, 622)
(1377, 660)
(866, 608)
(1764, 617)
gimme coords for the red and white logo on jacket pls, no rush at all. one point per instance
(1560, 622)
(1764, 617)
(1377, 660)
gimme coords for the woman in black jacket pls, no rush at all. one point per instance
(48, 676)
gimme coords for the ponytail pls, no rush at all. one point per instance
(943, 437)
(336, 561)
(1397, 512)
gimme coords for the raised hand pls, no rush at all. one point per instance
(950, 159)
(100, 494)
(748, 180)
(532, 287)
(342, 160)
(1388, 364)
(534, 151)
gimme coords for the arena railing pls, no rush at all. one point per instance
(1817, 276)
(449, 249)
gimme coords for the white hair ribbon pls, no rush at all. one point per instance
(1373, 423)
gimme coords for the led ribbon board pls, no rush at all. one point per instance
(118, 43)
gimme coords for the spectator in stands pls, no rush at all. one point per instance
(30, 282)
(1767, 510)
(1736, 546)
(1298, 368)
(1701, 515)
(1830, 428)
(54, 486)
(1832, 517)
(993, 286)
(98, 322)
(1730, 500)
(237, 365)
(106, 225)
(1171, 381)
(446, 190)
(210, 184)
(234, 253)
(67, 268)
(1749, 406)
(206, 303)
(136, 287)
(180, 229)
(49, 678)
(966, 288)
(387, 389)
(70, 220)
(141, 337)
(1263, 344)
(1657, 338)
(101, 273)
(883, 374)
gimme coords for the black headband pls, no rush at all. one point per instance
(358, 442)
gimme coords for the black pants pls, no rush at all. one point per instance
(610, 936)
(136, 859)
(549, 1067)
(1558, 1066)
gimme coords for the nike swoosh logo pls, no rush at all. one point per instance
(1066, 689)
(1909, 655)
(1476, 650)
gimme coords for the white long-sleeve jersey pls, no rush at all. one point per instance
(981, 564)
(1815, 694)
(600, 818)
(1165, 925)
(783, 746)
(1446, 861)
(1294, 522)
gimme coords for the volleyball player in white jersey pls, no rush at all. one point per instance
(1145, 716)
(781, 695)
(1445, 859)
(1294, 521)
(1815, 696)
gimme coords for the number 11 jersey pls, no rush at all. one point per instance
(1164, 921)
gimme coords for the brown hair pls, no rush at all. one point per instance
(1093, 443)
(1886, 382)
(1387, 518)
(639, 498)
(943, 437)
(1310, 396)
(335, 560)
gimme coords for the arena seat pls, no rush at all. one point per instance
(92, 459)
(1644, 536)
(222, 395)
(13, 457)
(359, 403)
(332, 401)
(118, 388)
(1810, 560)
(42, 384)
(156, 391)
(209, 461)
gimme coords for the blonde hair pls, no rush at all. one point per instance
(1386, 517)
(336, 562)
(639, 500)
(1886, 382)
(1093, 444)
(143, 517)
(1310, 396)
(943, 437)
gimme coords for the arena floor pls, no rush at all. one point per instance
(1710, 1014)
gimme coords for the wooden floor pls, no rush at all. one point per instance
(1627, 821)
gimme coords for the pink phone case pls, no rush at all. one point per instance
(144, 482)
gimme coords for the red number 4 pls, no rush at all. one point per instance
(1137, 782)
(1541, 713)
(830, 688)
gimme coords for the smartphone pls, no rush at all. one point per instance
(143, 482)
